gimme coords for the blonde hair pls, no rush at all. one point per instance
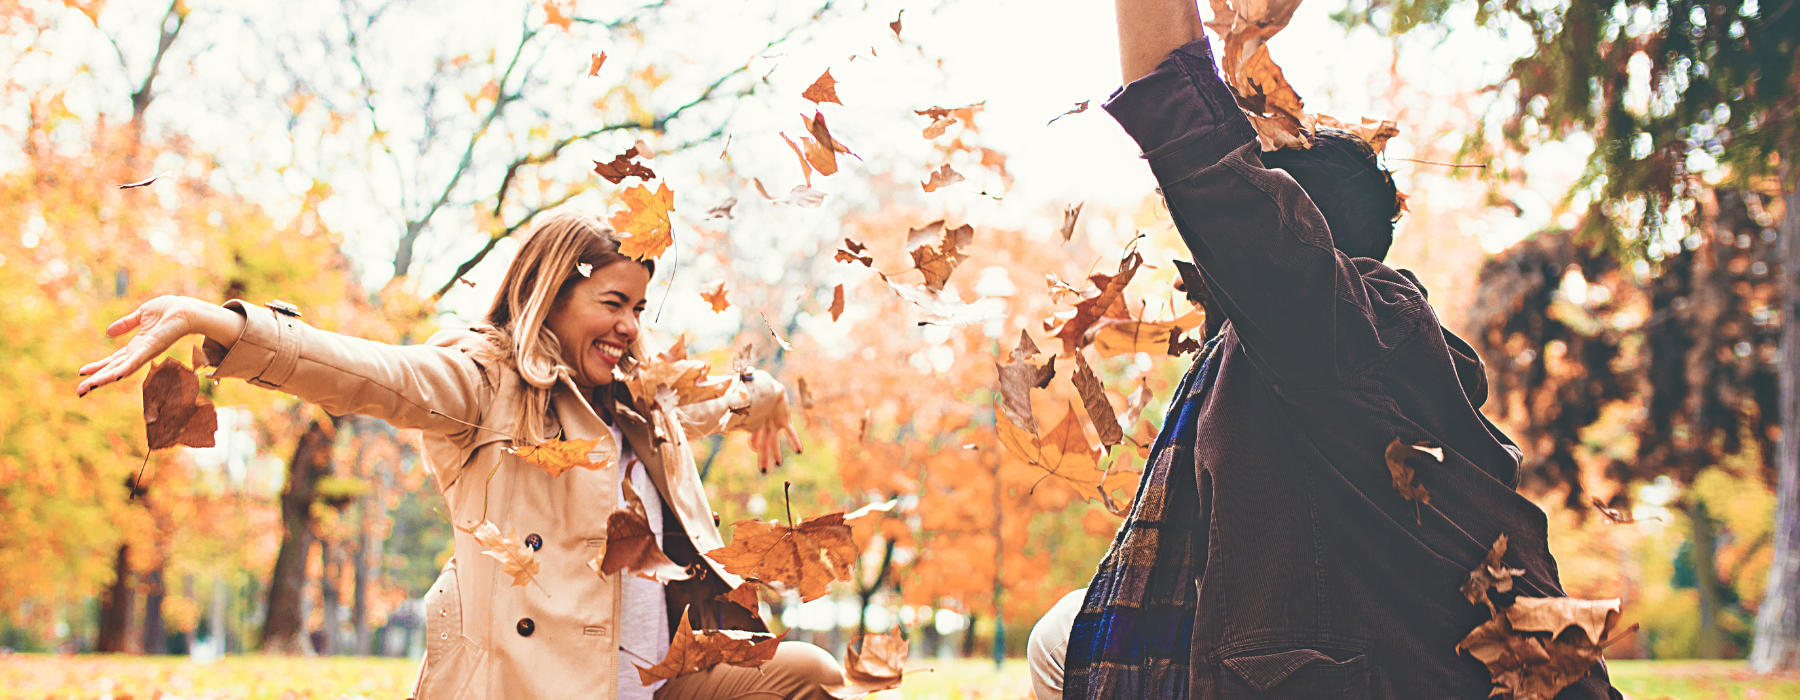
(563, 243)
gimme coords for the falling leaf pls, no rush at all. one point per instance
(879, 664)
(516, 559)
(937, 250)
(1111, 337)
(594, 67)
(1400, 199)
(643, 226)
(807, 557)
(837, 302)
(895, 25)
(1093, 398)
(693, 651)
(723, 210)
(141, 183)
(586, 269)
(644, 150)
(760, 189)
(716, 297)
(1063, 452)
(631, 544)
(558, 456)
(1614, 515)
(744, 595)
(1135, 404)
(937, 127)
(946, 307)
(1018, 377)
(822, 90)
(1107, 301)
(554, 13)
(174, 412)
(777, 336)
(466, 281)
(622, 167)
(1525, 652)
(1079, 108)
(1070, 214)
(1397, 454)
(803, 196)
(686, 381)
(806, 397)
(1374, 132)
(944, 177)
(1490, 574)
(886, 506)
(852, 252)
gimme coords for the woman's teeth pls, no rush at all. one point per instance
(609, 351)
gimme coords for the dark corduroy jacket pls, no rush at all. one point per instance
(1316, 579)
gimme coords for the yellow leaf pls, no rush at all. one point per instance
(643, 226)
(558, 456)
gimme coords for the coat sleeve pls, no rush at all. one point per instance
(403, 385)
(1262, 246)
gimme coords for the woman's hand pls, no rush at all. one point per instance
(160, 323)
(766, 418)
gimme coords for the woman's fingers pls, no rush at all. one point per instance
(96, 365)
(793, 437)
(126, 323)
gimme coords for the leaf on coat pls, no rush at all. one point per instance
(622, 166)
(1397, 455)
(594, 65)
(1490, 574)
(1528, 656)
(716, 297)
(1107, 301)
(822, 90)
(558, 456)
(631, 544)
(745, 595)
(879, 664)
(943, 177)
(936, 251)
(837, 302)
(643, 226)
(807, 557)
(1070, 214)
(853, 252)
(516, 559)
(693, 651)
(1099, 408)
(946, 307)
(174, 412)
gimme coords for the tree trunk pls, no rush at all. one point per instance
(1777, 644)
(1705, 544)
(331, 569)
(284, 629)
(359, 598)
(155, 638)
(116, 605)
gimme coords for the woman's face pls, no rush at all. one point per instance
(597, 319)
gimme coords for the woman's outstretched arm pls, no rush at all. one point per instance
(1150, 29)
(160, 323)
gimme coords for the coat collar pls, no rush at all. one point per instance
(579, 420)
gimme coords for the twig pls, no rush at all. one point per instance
(1451, 165)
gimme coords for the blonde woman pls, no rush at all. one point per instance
(544, 364)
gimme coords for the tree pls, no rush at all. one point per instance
(1677, 96)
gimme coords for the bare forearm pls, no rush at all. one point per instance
(1150, 29)
(217, 323)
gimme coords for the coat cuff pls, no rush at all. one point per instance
(1182, 115)
(267, 351)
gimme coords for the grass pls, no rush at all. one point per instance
(104, 677)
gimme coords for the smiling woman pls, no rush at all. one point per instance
(547, 363)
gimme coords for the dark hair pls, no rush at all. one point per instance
(1357, 197)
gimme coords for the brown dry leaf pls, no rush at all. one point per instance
(806, 166)
(723, 210)
(878, 665)
(760, 189)
(643, 226)
(1135, 404)
(1108, 301)
(1070, 214)
(1080, 107)
(822, 90)
(1374, 132)
(693, 651)
(1614, 515)
(805, 391)
(1066, 453)
(174, 413)
(716, 297)
(1017, 378)
(777, 335)
(558, 456)
(1397, 454)
(745, 595)
(941, 119)
(631, 544)
(1119, 477)
(853, 252)
(594, 67)
(516, 559)
(1490, 574)
(1111, 337)
(1099, 408)
(622, 167)
(895, 25)
(688, 380)
(936, 251)
(837, 302)
(141, 183)
(943, 177)
(945, 307)
(1529, 661)
(1553, 615)
(807, 557)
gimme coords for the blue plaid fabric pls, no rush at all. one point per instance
(1132, 636)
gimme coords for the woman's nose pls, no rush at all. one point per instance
(628, 327)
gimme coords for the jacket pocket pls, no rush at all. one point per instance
(1296, 674)
(450, 658)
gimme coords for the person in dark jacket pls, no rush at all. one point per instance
(1268, 554)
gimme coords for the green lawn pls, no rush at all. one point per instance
(96, 677)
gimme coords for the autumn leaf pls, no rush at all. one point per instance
(1107, 301)
(1099, 408)
(1111, 337)
(806, 397)
(944, 177)
(806, 166)
(594, 66)
(804, 197)
(1070, 214)
(879, 664)
(516, 559)
(716, 297)
(631, 544)
(643, 226)
(723, 210)
(1397, 455)
(1079, 108)
(937, 250)
(1490, 574)
(1614, 515)
(141, 183)
(1134, 406)
(1374, 132)
(895, 25)
(822, 90)
(745, 595)
(555, 13)
(1065, 452)
(946, 307)
(1017, 378)
(807, 557)
(174, 413)
(941, 119)
(622, 167)
(693, 651)
(679, 380)
(853, 252)
(558, 456)
(837, 302)
(776, 334)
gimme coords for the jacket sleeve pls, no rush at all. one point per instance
(1262, 246)
(402, 385)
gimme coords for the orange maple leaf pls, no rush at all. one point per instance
(716, 297)
(693, 651)
(936, 251)
(594, 65)
(558, 456)
(808, 556)
(556, 13)
(643, 226)
(745, 595)
(822, 90)
(880, 664)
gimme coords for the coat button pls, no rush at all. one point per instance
(526, 627)
(534, 541)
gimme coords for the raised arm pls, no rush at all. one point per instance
(1150, 29)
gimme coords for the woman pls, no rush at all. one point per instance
(546, 363)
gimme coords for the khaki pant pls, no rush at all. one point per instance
(799, 671)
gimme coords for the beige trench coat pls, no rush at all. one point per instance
(487, 638)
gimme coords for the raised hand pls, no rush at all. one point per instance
(160, 323)
(766, 418)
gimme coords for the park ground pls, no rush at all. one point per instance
(101, 677)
